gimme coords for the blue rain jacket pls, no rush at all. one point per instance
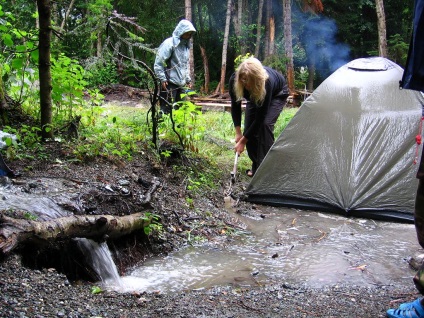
(172, 57)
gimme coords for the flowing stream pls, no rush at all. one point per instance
(286, 246)
(283, 246)
(99, 258)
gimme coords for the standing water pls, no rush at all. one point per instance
(287, 246)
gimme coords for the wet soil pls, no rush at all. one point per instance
(39, 285)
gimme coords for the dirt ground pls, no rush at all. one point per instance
(121, 187)
(40, 286)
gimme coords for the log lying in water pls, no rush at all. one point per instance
(14, 232)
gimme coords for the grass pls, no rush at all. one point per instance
(218, 138)
(121, 131)
(216, 144)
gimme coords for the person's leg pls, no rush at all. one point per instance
(415, 308)
(252, 143)
(164, 101)
(419, 228)
(174, 95)
(266, 134)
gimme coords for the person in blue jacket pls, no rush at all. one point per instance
(266, 92)
(413, 78)
(172, 66)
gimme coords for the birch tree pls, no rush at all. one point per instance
(189, 16)
(221, 86)
(67, 14)
(239, 21)
(381, 23)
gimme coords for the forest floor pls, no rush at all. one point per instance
(36, 286)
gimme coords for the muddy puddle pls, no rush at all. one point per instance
(288, 246)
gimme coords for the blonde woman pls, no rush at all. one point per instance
(266, 92)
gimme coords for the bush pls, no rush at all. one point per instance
(100, 72)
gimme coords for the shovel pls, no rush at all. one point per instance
(234, 172)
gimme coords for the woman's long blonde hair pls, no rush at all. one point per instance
(252, 70)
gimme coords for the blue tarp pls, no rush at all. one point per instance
(413, 76)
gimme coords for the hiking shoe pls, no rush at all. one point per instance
(406, 306)
(407, 310)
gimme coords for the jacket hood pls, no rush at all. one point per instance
(182, 27)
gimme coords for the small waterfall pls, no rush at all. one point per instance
(99, 259)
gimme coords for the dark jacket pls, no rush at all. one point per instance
(275, 86)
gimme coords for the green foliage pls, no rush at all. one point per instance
(186, 125)
(240, 58)
(111, 136)
(166, 153)
(285, 117)
(68, 85)
(398, 49)
(30, 216)
(28, 139)
(19, 64)
(154, 225)
(96, 290)
(100, 72)
(276, 62)
(301, 78)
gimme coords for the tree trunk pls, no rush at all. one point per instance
(271, 35)
(189, 16)
(67, 14)
(37, 19)
(270, 30)
(238, 23)
(44, 13)
(206, 69)
(381, 22)
(259, 29)
(221, 86)
(15, 232)
(311, 74)
(288, 46)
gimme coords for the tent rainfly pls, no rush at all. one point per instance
(350, 148)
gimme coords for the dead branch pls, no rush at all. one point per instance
(14, 232)
(147, 197)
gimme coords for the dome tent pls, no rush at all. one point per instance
(349, 149)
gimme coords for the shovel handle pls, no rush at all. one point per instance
(235, 163)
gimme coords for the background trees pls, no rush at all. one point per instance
(316, 38)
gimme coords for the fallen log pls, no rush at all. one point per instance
(14, 232)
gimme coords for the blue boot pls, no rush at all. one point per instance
(407, 310)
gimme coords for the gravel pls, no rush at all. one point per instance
(47, 293)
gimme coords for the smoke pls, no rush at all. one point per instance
(321, 46)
